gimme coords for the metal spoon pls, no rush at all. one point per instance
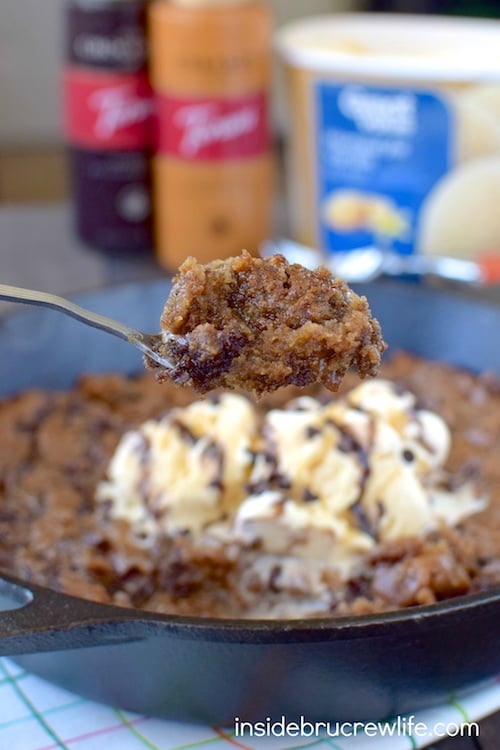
(368, 263)
(149, 344)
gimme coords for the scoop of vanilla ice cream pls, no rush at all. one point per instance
(398, 409)
(184, 471)
(285, 527)
(319, 483)
(302, 487)
(343, 476)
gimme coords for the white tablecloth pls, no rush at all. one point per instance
(36, 715)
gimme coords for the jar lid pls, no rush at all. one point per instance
(395, 46)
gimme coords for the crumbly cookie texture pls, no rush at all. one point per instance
(260, 324)
(57, 447)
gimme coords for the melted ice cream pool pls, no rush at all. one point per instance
(312, 485)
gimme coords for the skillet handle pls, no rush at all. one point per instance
(35, 619)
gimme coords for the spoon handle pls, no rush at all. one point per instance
(44, 299)
(145, 342)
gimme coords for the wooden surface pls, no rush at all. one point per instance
(38, 249)
(32, 175)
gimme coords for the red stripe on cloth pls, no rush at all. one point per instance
(96, 733)
(224, 736)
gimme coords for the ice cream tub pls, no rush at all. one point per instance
(394, 132)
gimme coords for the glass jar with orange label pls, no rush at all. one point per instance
(213, 169)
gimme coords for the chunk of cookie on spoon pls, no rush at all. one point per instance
(258, 324)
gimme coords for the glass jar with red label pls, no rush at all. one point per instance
(108, 110)
(213, 165)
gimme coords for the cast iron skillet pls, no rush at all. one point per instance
(214, 670)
